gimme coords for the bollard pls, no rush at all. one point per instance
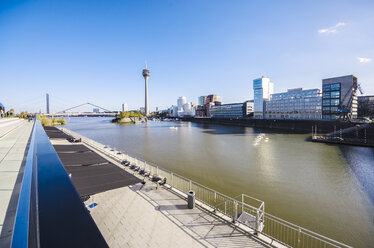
(191, 199)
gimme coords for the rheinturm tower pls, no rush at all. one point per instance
(146, 76)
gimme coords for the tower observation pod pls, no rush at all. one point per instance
(146, 76)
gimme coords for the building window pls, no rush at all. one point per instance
(335, 94)
(335, 86)
(326, 102)
(334, 102)
(326, 87)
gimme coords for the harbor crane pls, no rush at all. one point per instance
(345, 106)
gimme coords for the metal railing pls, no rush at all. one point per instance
(272, 227)
(50, 212)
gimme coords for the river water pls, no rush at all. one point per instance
(328, 189)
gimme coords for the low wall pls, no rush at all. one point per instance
(303, 126)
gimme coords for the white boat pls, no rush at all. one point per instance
(173, 128)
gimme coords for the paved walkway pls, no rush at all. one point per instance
(141, 216)
(12, 154)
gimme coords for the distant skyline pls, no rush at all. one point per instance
(94, 51)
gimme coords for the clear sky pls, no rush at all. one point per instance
(94, 51)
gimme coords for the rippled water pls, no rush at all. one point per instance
(328, 189)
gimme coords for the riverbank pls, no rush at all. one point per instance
(299, 126)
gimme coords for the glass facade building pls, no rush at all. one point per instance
(232, 110)
(262, 89)
(339, 95)
(295, 104)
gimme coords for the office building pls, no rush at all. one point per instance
(365, 106)
(125, 107)
(232, 110)
(295, 104)
(339, 98)
(262, 88)
(205, 103)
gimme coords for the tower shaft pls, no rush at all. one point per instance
(146, 109)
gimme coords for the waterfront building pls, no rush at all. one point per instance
(125, 107)
(183, 108)
(296, 103)
(205, 103)
(96, 110)
(262, 88)
(232, 110)
(365, 106)
(339, 97)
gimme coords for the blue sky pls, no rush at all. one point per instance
(94, 51)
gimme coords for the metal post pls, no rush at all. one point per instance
(225, 207)
(156, 170)
(299, 237)
(235, 212)
(257, 221)
(172, 179)
(215, 201)
(242, 202)
(190, 185)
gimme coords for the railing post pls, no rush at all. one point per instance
(190, 185)
(172, 179)
(215, 201)
(242, 202)
(257, 222)
(299, 237)
(235, 212)
(225, 208)
(156, 170)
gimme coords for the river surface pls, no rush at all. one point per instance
(328, 189)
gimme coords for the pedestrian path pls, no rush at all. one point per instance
(8, 124)
(143, 216)
(13, 146)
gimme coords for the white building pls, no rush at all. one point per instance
(295, 104)
(184, 108)
(262, 88)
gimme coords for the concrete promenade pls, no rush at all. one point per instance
(14, 137)
(144, 216)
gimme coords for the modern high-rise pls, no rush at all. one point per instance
(125, 107)
(47, 102)
(296, 103)
(339, 97)
(262, 88)
(146, 76)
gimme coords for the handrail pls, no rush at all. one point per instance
(50, 212)
(20, 236)
(288, 234)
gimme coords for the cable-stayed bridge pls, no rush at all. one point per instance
(69, 112)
